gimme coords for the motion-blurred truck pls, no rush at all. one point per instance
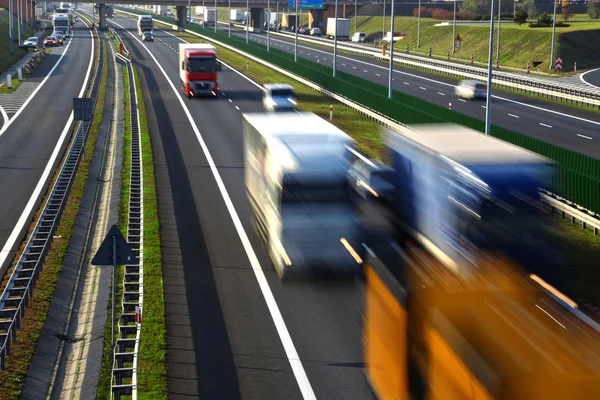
(297, 186)
(198, 66)
(144, 24)
(209, 17)
(343, 29)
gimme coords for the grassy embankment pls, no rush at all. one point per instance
(12, 378)
(582, 277)
(519, 44)
(6, 58)
(152, 376)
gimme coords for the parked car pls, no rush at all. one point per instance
(51, 41)
(359, 37)
(33, 42)
(315, 32)
(279, 98)
(148, 37)
(470, 90)
(59, 36)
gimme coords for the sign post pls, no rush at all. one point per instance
(114, 251)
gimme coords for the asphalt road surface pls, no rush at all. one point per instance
(38, 111)
(567, 127)
(232, 332)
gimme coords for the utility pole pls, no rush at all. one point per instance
(391, 79)
(356, 13)
(11, 25)
(269, 26)
(419, 26)
(454, 29)
(296, 36)
(499, 20)
(215, 16)
(553, 36)
(383, 23)
(335, 39)
(228, 18)
(488, 101)
(247, 21)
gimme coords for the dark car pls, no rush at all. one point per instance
(51, 41)
(33, 42)
(148, 37)
(60, 36)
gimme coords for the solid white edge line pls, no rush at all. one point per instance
(586, 82)
(24, 218)
(284, 335)
(4, 116)
(37, 89)
(583, 136)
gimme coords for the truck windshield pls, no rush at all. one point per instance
(314, 194)
(283, 93)
(202, 64)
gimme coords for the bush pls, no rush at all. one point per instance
(441, 14)
(558, 25)
(521, 17)
(545, 19)
(593, 9)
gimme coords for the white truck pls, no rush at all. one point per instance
(298, 189)
(237, 15)
(343, 28)
(144, 24)
(209, 17)
(62, 24)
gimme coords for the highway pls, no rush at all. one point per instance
(234, 331)
(567, 127)
(34, 133)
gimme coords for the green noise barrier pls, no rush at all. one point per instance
(578, 175)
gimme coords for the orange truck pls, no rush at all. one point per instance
(430, 334)
(198, 66)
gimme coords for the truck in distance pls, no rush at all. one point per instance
(198, 66)
(144, 24)
(343, 28)
(297, 186)
(209, 17)
(61, 24)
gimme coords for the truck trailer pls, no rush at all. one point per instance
(198, 66)
(297, 186)
(209, 17)
(343, 28)
(144, 24)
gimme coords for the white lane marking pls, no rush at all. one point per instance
(343, 64)
(377, 74)
(37, 89)
(451, 85)
(585, 137)
(364, 70)
(406, 83)
(24, 218)
(4, 116)
(546, 125)
(284, 335)
(237, 108)
(441, 94)
(422, 88)
(586, 82)
(353, 67)
(484, 107)
(548, 314)
(463, 100)
(229, 100)
(514, 116)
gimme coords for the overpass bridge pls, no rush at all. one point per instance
(318, 13)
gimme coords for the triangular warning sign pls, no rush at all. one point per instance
(458, 38)
(124, 251)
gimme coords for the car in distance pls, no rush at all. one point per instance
(59, 36)
(315, 32)
(470, 90)
(51, 41)
(148, 37)
(359, 37)
(279, 98)
(32, 43)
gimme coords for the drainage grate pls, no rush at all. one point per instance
(124, 373)
(15, 297)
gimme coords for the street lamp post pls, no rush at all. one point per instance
(11, 25)
(269, 26)
(515, 10)
(419, 26)
(383, 23)
(391, 79)
(488, 101)
(356, 13)
(247, 20)
(189, 11)
(19, 20)
(228, 19)
(553, 36)
(296, 36)
(215, 16)
(335, 37)
(499, 20)
(454, 28)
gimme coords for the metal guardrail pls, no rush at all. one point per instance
(118, 37)
(554, 202)
(22, 282)
(530, 85)
(124, 371)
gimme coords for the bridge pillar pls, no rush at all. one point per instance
(181, 16)
(102, 25)
(257, 19)
(316, 20)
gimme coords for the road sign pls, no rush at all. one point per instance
(124, 252)
(458, 38)
(457, 44)
(82, 108)
(558, 64)
(306, 4)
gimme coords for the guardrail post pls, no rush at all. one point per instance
(247, 65)
(575, 66)
(20, 74)
(9, 81)
(331, 112)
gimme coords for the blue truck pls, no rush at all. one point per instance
(457, 192)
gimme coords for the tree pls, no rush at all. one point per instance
(481, 7)
(521, 17)
(566, 10)
(529, 7)
(545, 19)
(593, 9)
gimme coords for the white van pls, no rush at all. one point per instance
(359, 37)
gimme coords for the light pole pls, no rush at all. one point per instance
(19, 20)
(269, 26)
(390, 88)
(228, 19)
(215, 16)
(203, 12)
(553, 36)
(515, 10)
(499, 20)
(383, 23)
(335, 39)
(488, 102)
(419, 26)
(11, 25)
(277, 22)
(247, 21)
(356, 13)
(454, 29)
(296, 35)
(344, 12)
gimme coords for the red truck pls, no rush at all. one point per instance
(198, 66)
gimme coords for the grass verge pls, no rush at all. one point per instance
(581, 278)
(12, 378)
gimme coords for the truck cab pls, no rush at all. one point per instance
(198, 66)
